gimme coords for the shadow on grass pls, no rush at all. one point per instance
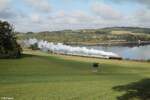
(22, 56)
(135, 91)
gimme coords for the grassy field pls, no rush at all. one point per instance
(41, 76)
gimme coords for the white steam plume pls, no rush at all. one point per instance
(69, 50)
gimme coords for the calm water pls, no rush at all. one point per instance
(137, 53)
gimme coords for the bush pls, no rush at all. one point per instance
(95, 65)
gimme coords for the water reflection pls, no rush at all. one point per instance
(137, 53)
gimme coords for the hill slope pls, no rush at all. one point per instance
(104, 35)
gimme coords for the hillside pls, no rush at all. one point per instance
(104, 35)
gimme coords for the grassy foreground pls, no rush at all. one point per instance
(41, 76)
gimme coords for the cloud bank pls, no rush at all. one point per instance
(50, 15)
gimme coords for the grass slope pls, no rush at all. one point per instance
(40, 76)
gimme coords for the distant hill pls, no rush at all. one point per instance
(131, 29)
(102, 35)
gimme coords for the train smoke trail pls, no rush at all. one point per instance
(69, 50)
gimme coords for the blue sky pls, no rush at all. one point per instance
(50, 15)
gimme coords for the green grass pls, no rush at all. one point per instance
(42, 76)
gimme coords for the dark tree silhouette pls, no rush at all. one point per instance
(135, 91)
(9, 48)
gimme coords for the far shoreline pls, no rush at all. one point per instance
(130, 44)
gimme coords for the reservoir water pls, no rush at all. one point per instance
(134, 53)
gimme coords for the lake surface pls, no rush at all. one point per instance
(134, 53)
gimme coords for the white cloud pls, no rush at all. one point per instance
(35, 18)
(106, 11)
(6, 10)
(143, 2)
(4, 4)
(39, 5)
(142, 17)
(40, 17)
(75, 17)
